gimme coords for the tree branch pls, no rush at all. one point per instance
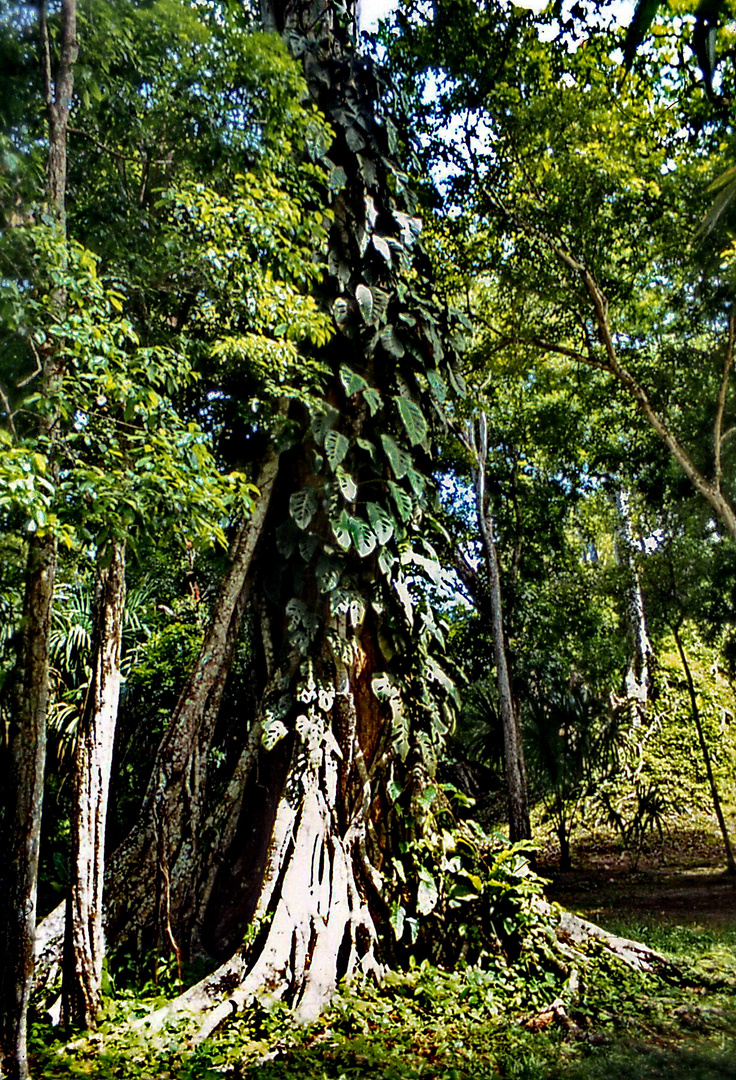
(710, 492)
(721, 403)
(140, 159)
(4, 401)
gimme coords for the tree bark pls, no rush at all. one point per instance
(24, 793)
(515, 767)
(311, 923)
(28, 738)
(84, 945)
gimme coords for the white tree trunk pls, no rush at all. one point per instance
(638, 680)
(312, 925)
(85, 948)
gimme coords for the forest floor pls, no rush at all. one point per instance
(427, 1024)
(679, 880)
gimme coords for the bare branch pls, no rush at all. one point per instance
(39, 366)
(721, 403)
(4, 401)
(48, 86)
(140, 159)
(710, 492)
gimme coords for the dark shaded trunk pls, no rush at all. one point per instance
(24, 795)
(152, 874)
(84, 944)
(730, 863)
(24, 792)
(304, 873)
(563, 835)
(513, 747)
(151, 879)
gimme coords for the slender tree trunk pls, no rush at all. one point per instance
(516, 783)
(84, 946)
(638, 681)
(150, 878)
(25, 800)
(152, 873)
(730, 863)
(28, 739)
(563, 835)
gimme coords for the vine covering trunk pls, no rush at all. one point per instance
(352, 703)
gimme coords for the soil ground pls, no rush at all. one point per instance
(679, 881)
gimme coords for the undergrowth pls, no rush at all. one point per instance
(428, 1023)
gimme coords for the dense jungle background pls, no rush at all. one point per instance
(368, 549)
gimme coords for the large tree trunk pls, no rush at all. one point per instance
(309, 826)
(513, 746)
(304, 891)
(289, 853)
(84, 945)
(24, 792)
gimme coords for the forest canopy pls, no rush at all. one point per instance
(367, 490)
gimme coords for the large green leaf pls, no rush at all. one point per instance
(396, 919)
(363, 536)
(364, 296)
(348, 487)
(402, 499)
(327, 573)
(369, 447)
(413, 420)
(399, 461)
(391, 342)
(383, 248)
(336, 447)
(381, 522)
(438, 384)
(373, 399)
(303, 506)
(341, 312)
(427, 893)
(417, 482)
(324, 421)
(351, 381)
(341, 529)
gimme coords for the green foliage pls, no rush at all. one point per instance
(459, 895)
(115, 453)
(455, 1025)
(660, 778)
